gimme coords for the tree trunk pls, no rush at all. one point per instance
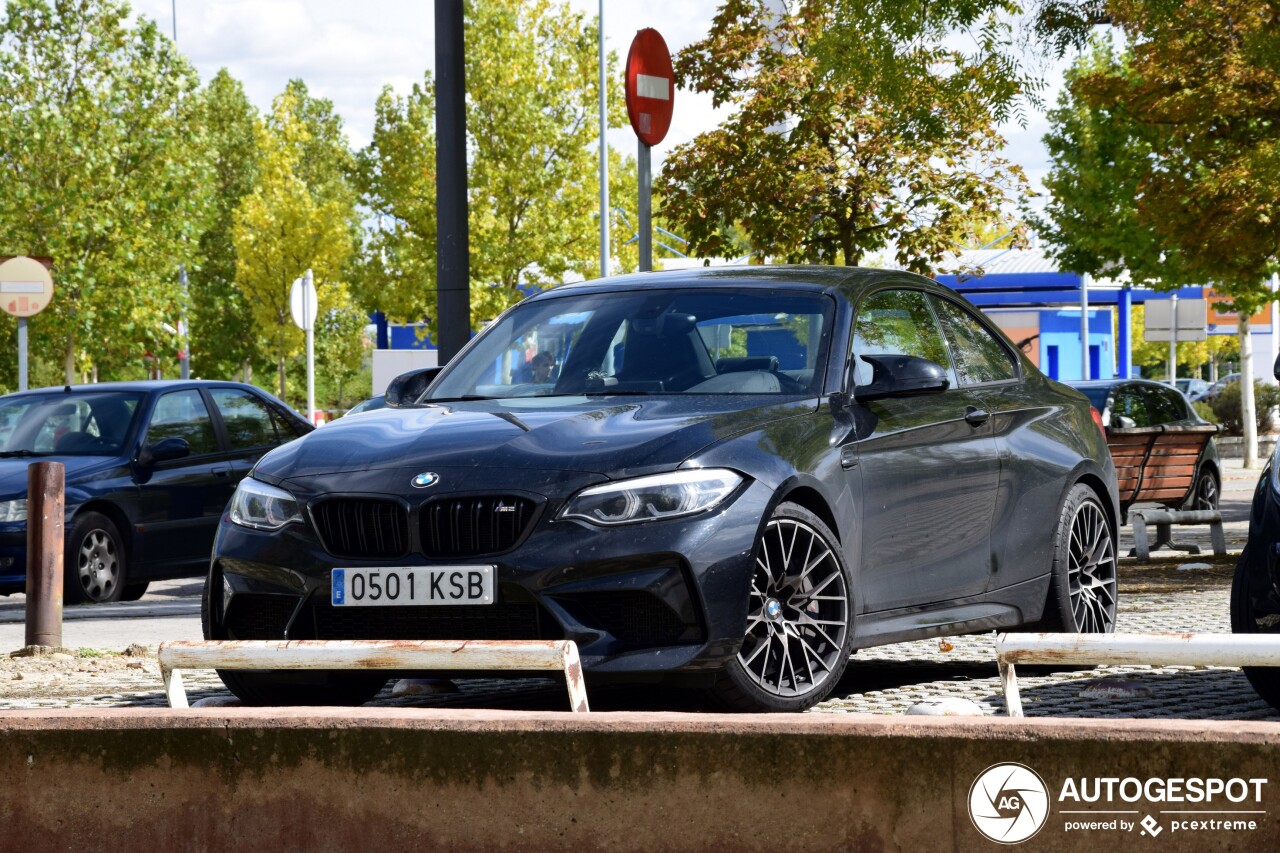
(1249, 423)
(280, 370)
(69, 361)
(247, 372)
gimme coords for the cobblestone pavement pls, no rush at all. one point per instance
(884, 680)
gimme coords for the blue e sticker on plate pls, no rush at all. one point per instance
(337, 586)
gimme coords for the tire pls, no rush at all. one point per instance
(1082, 582)
(134, 591)
(268, 688)
(1265, 679)
(800, 606)
(1206, 493)
(95, 561)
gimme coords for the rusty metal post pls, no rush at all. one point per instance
(45, 500)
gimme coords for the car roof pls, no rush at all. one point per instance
(1109, 383)
(142, 386)
(848, 280)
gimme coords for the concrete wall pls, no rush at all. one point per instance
(401, 779)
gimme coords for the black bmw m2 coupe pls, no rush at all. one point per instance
(728, 478)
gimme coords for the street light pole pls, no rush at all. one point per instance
(604, 156)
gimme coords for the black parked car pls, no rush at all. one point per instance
(1255, 592)
(150, 466)
(729, 477)
(1163, 451)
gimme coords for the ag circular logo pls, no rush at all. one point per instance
(1008, 803)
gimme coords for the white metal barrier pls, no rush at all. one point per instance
(425, 655)
(1144, 649)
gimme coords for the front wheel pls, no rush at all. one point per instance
(1256, 611)
(95, 561)
(1082, 591)
(799, 619)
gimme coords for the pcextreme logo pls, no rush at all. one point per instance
(1008, 803)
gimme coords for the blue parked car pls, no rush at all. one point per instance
(149, 468)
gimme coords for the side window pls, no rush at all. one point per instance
(246, 418)
(1162, 405)
(1130, 405)
(182, 414)
(979, 356)
(897, 322)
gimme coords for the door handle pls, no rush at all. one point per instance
(975, 416)
(222, 471)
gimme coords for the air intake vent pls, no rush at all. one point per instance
(475, 526)
(362, 528)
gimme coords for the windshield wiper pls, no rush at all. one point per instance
(9, 454)
(607, 393)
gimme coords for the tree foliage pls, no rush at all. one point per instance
(223, 336)
(818, 167)
(532, 82)
(103, 167)
(300, 216)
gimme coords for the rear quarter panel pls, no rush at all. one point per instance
(1048, 442)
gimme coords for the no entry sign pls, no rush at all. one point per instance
(651, 86)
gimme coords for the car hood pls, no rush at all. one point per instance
(13, 472)
(610, 436)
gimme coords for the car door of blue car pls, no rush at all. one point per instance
(182, 499)
(929, 468)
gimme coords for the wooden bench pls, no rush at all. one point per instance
(1157, 463)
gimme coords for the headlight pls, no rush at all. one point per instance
(13, 510)
(653, 498)
(263, 507)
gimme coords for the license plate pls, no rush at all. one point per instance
(417, 585)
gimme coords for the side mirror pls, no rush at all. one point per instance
(1275, 369)
(1125, 423)
(163, 451)
(901, 376)
(406, 388)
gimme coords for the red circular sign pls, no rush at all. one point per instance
(651, 86)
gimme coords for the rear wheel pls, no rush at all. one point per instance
(799, 619)
(1082, 591)
(1255, 611)
(1205, 495)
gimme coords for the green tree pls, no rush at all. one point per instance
(396, 176)
(1198, 88)
(340, 349)
(104, 170)
(813, 167)
(286, 225)
(224, 339)
(532, 82)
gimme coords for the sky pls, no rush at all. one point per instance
(348, 51)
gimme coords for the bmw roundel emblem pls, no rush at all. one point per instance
(425, 479)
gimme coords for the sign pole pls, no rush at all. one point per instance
(604, 153)
(645, 206)
(308, 293)
(1173, 337)
(22, 353)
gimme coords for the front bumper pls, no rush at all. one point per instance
(641, 601)
(13, 557)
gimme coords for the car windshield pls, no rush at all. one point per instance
(649, 342)
(91, 424)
